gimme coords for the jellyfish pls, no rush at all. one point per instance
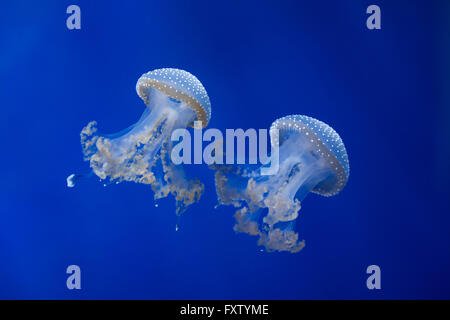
(141, 153)
(311, 158)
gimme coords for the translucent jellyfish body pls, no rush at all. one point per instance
(312, 158)
(141, 153)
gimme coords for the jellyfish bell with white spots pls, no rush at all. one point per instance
(312, 158)
(174, 99)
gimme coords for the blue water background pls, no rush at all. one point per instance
(384, 91)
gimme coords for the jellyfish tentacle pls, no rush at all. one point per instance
(186, 191)
(73, 178)
(133, 155)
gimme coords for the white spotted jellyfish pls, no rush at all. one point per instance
(141, 153)
(312, 158)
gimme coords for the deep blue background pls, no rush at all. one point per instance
(385, 92)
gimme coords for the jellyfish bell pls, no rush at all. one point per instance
(312, 158)
(329, 163)
(174, 99)
(179, 86)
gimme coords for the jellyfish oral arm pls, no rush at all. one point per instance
(299, 172)
(269, 204)
(140, 152)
